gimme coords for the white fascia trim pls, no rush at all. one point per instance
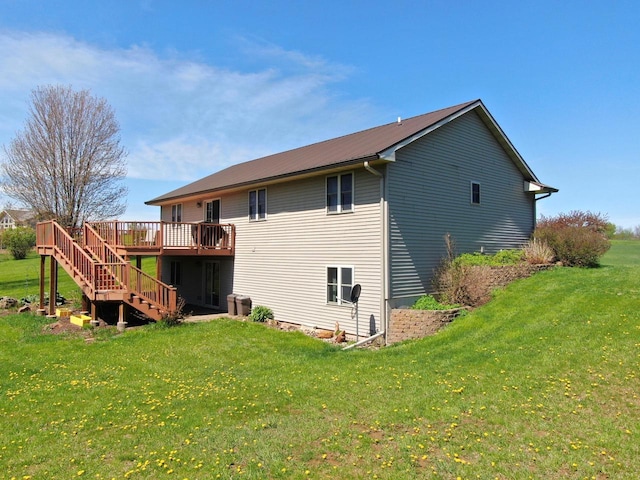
(390, 153)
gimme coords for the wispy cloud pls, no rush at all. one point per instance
(182, 119)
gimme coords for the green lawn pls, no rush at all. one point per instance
(542, 382)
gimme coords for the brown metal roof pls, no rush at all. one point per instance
(353, 148)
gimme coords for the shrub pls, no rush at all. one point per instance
(428, 302)
(175, 318)
(260, 313)
(538, 252)
(503, 257)
(464, 284)
(19, 241)
(577, 238)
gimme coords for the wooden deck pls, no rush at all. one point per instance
(96, 257)
(167, 238)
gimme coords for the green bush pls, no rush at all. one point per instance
(260, 313)
(503, 257)
(427, 302)
(578, 239)
(19, 241)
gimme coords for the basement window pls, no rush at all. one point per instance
(339, 283)
(176, 274)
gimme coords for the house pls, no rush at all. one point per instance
(295, 231)
(11, 218)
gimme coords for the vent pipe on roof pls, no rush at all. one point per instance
(399, 120)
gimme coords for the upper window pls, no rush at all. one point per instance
(475, 193)
(339, 283)
(176, 212)
(258, 204)
(340, 193)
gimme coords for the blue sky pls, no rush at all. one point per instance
(200, 85)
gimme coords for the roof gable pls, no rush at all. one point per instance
(374, 143)
(18, 215)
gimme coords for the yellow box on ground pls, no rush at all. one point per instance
(63, 312)
(80, 320)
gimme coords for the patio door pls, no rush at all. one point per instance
(212, 212)
(212, 284)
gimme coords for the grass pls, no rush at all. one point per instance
(542, 382)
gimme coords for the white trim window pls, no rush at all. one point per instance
(475, 193)
(339, 284)
(176, 213)
(258, 204)
(340, 193)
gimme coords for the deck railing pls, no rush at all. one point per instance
(99, 247)
(167, 235)
(51, 234)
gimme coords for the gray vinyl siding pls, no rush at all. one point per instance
(429, 196)
(282, 262)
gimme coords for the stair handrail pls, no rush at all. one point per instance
(141, 284)
(52, 234)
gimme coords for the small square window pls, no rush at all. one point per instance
(475, 193)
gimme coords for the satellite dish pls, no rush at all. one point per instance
(355, 293)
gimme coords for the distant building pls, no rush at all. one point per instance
(11, 218)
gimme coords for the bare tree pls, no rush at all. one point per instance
(67, 163)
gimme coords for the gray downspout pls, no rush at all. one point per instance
(385, 251)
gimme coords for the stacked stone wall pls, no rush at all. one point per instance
(406, 323)
(504, 275)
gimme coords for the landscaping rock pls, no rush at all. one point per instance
(8, 302)
(24, 309)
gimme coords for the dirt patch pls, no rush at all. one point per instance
(63, 326)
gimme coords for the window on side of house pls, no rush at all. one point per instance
(475, 193)
(176, 212)
(258, 204)
(339, 283)
(176, 274)
(340, 193)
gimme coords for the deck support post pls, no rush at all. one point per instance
(85, 303)
(41, 310)
(122, 324)
(53, 285)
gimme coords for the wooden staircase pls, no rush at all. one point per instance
(102, 274)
